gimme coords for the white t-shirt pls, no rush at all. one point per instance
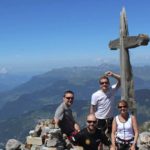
(104, 102)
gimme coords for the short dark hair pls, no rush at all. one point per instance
(103, 77)
(124, 102)
(68, 91)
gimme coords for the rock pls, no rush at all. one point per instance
(77, 148)
(32, 133)
(145, 138)
(34, 140)
(144, 141)
(47, 148)
(13, 144)
(51, 142)
(35, 147)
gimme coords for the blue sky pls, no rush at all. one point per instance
(38, 35)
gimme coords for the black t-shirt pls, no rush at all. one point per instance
(64, 114)
(90, 141)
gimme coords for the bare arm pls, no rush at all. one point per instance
(113, 133)
(136, 132)
(92, 109)
(76, 127)
(114, 75)
(56, 121)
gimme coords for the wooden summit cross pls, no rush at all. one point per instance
(124, 43)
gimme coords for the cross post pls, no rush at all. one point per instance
(124, 43)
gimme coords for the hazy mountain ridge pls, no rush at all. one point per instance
(9, 81)
(75, 75)
(142, 71)
(49, 95)
(48, 88)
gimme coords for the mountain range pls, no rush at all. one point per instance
(9, 81)
(21, 107)
(77, 76)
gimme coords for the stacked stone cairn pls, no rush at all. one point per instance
(45, 136)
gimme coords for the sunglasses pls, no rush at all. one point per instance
(69, 98)
(90, 121)
(122, 106)
(104, 83)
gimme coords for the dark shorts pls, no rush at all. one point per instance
(125, 146)
(105, 125)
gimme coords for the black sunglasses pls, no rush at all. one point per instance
(69, 98)
(90, 121)
(122, 106)
(103, 82)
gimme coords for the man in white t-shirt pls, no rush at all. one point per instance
(102, 101)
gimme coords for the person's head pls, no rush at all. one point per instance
(104, 83)
(123, 106)
(91, 123)
(68, 97)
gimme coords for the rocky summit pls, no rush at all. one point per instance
(46, 136)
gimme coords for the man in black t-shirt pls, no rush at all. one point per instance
(90, 137)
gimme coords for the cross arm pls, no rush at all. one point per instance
(130, 42)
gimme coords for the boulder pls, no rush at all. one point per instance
(13, 144)
(144, 141)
